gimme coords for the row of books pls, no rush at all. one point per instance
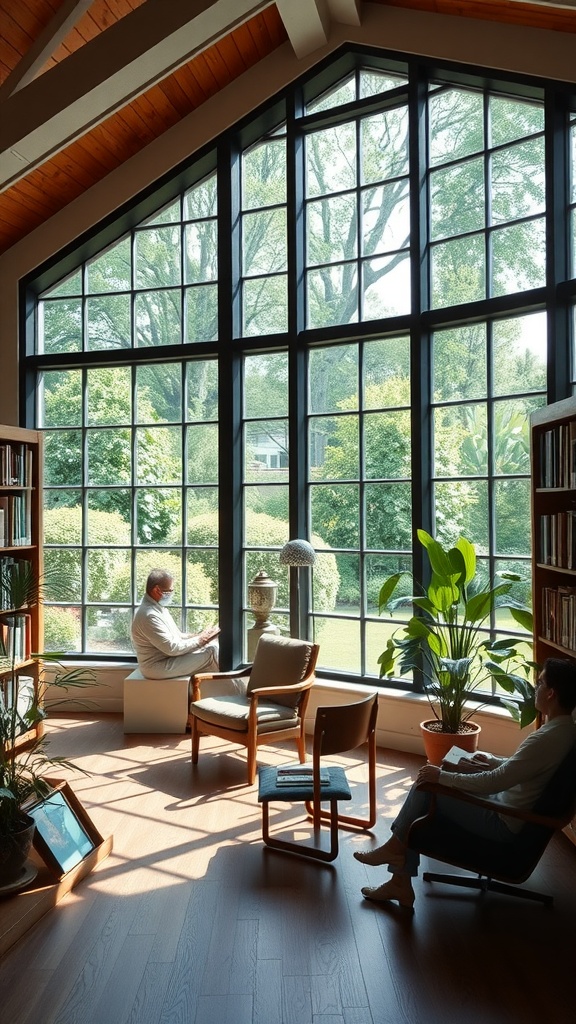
(558, 456)
(557, 540)
(15, 465)
(14, 574)
(15, 519)
(559, 616)
(15, 640)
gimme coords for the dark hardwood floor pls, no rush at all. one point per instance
(192, 920)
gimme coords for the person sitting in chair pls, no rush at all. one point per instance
(517, 781)
(163, 652)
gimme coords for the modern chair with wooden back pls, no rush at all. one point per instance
(337, 730)
(500, 867)
(267, 706)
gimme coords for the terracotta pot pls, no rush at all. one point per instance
(437, 744)
(14, 850)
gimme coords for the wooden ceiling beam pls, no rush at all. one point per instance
(143, 48)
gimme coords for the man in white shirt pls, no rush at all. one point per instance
(517, 780)
(163, 652)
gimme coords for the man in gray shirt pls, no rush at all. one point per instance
(163, 652)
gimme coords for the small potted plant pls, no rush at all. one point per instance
(22, 770)
(448, 640)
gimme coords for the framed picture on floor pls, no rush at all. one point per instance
(64, 835)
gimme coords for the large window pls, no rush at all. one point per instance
(333, 326)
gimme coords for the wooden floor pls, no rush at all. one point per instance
(192, 921)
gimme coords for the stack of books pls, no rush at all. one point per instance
(300, 775)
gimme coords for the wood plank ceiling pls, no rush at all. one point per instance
(38, 36)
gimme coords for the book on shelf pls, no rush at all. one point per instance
(15, 465)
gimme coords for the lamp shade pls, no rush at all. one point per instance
(297, 552)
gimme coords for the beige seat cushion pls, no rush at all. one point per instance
(280, 661)
(232, 713)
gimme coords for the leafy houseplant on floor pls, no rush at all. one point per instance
(21, 770)
(448, 639)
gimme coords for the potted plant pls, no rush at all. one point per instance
(22, 770)
(447, 639)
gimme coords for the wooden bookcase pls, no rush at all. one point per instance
(553, 453)
(21, 541)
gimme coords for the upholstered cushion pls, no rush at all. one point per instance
(232, 713)
(280, 661)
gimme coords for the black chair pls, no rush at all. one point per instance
(337, 729)
(500, 867)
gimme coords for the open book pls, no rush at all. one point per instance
(451, 759)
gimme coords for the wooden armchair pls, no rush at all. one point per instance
(266, 702)
(499, 867)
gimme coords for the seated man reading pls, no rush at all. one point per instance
(163, 652)
(517, 780)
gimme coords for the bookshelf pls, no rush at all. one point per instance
(553, 453)
(21, 629)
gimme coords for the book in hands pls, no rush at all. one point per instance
(451, 760)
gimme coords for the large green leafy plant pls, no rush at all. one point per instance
(21, 772)
(448, 637)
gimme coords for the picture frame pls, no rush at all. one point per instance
(64, 836)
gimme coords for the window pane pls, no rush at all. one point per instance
(385, 218)
(387, 372)
(106, 449)
(264, 242)
(388, 511)
(332, 294)
(109, 399)
(386, 286)
(201, 200)
(202, 442)
(458, 273)
(201, 304)
(385, 145)
(333, 378)
(337, 439)
(60, 400)
(265, 306)
(112, 270)
(63, 458)
(108, 516)
(518, 181)
(512, 119)
(158, 393)
(520, 354)
(461, 441)
(158, 455)
(157, 257)
(459, 363)
(331, 160)
(387, 445)
(457, 199)
(60, 326)
(266, 450)
(264, 174)
(158, 318)
(201, 252)
(266, 385)
(512, 507)
(455, 124)
(519, 253)
(461, 507)
(335, 514)
(331, 230)
(202, 389)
